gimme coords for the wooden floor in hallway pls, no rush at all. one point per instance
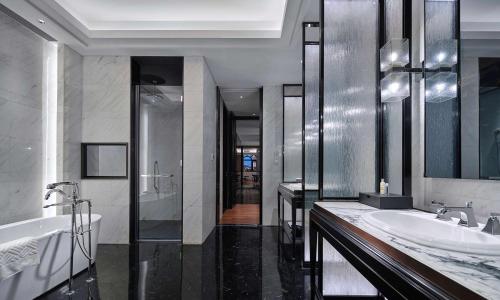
(241, 214)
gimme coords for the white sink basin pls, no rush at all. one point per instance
(425, 229)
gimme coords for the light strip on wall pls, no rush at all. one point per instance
(49, 111)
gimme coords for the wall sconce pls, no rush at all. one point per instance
(441, 87)
(442, 54)
(395, 87)
(394, 57)
(395, 53)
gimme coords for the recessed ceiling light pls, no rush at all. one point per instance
(241, 97)
(41, 21)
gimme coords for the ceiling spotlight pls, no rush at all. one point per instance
(41, 21)
(241, 97)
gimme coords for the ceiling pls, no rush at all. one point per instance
(248, 132)
(175, 18)
(245, 43)
(242, 102)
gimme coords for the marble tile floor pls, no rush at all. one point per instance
(235, 262)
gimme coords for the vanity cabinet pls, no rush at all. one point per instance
(396, 267)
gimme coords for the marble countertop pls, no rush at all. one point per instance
(292, 186)
(480, 274)
(297, 186)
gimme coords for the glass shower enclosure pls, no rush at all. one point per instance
(158, 150)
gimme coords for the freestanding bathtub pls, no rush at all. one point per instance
(54, 250)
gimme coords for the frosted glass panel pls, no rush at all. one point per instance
(393, 19)
(292, 148)
(311, 116)
(350, 87)
(442, 140)
(440, 43)
(393, 146)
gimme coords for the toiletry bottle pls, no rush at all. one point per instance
(386, 189)
(382, 187)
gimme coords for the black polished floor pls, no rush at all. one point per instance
(236, 262)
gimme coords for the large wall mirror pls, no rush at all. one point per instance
(463, 133)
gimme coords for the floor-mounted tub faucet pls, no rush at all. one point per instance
(76, 231)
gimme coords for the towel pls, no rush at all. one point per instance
(17, 255)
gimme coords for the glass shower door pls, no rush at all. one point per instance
(160, 162)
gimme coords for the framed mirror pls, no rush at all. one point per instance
(463, 130)
(104, 160)
(442, 89)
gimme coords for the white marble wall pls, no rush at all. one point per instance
(21, 153)
(70, 103)
(209, 150)
(106, 118)
(199, 151)
(272, 141)
(484, 193)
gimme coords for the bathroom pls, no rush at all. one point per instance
(370, 147)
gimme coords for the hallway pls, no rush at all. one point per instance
(241, 214)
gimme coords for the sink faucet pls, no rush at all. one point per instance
(465, 213)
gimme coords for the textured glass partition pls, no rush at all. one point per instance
(311, 116)
(392, 135)
(442, 132)
(292, 145)
(350, 95)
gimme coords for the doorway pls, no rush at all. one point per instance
(157, 148)
(240, 138)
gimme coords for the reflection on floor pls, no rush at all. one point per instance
(241, 214)
(236, 262)
(160, 229)
(247, 196)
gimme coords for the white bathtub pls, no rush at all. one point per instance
(54, 249)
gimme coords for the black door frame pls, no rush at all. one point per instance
(136, 64)
(228, 144)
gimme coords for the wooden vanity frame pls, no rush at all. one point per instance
(395, 274)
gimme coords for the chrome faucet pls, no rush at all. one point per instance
(52, 188)
(465, 213)
(493, 224)
(51, 191)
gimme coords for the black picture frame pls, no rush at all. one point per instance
(84, 160)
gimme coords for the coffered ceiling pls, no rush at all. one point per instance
(174, 18)
(245, 43)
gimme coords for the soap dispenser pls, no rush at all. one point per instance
(382, 187)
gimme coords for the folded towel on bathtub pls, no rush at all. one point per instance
(17, 255)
